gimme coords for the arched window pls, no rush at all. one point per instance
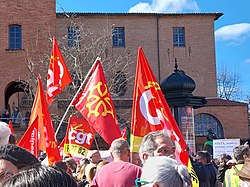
(204, 122)
(15, 37)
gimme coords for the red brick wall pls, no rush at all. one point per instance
(37, 19)
(234, 119)
(142, 31)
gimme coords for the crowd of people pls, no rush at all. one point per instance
(155, 165)
(16, 117)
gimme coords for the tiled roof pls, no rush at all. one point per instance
(222, 102)
(60, 14)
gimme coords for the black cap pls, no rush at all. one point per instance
(17, 155)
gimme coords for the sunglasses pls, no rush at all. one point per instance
(139, 182)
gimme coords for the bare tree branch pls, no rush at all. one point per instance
(228, 84)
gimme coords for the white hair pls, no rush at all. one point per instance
(165, 171)
(4, 133)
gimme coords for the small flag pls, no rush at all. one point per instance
(79, 137)
(11, 127)
(58, 74)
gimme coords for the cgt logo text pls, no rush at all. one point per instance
(80, 137)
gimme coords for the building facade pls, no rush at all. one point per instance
(27, 30)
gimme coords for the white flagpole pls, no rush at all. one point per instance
(84, 81)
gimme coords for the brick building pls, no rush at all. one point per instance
(27, 29)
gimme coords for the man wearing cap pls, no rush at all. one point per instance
(13, 158)
(244, 174)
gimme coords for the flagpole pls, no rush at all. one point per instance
(97, 147)
(84, 81)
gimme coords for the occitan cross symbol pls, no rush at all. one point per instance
(102, 100)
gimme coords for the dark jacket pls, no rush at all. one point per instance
(213, 173)
(203, 174)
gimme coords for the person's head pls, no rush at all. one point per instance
(5, 133)
(90, 172)
(61, 165)
(40, 176)
(241, 152)
(83, 162)
(208, 157)
(244, 174)
(120, 150)
(6, 112)
(223, 159)
(81, 174)
(161, 171)
(135, 159)
(156, 144)
(201, 157)
(13, 158)
(94, 156)
(71, 164)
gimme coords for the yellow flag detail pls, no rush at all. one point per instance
(194, 177)
(135, 142)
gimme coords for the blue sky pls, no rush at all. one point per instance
(232, 30)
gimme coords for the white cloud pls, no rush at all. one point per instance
(236, 33)
(247, 60)
(166, 6)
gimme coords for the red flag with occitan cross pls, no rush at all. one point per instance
(150, 112)
(95, 104)
(58, 74)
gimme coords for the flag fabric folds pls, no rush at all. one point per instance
(46, 140)
(58, 74)
(95, 104)
(150, 111)
(29, 140)
(79, 137)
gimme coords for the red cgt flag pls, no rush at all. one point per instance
(29, 140)
(151, 112)
(96, 106)
(47, 141)
(79, 137)
(58, 74)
